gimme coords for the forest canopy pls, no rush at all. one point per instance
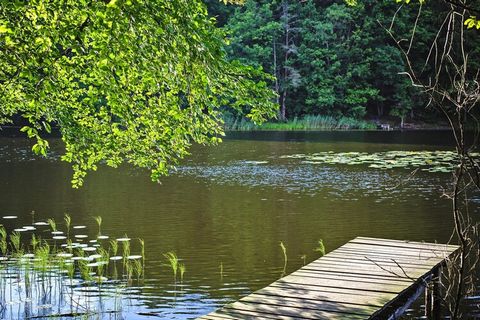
(332, 58)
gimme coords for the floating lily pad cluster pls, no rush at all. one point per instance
(431, 161)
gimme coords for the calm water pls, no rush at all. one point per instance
(232, 205)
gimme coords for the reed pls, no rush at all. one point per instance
(285, 258)
(68, 223)
(98, 220)
(138, 269)
(15, 241)
(114, 247)
(172, 262)
(126, 250)
(307, 122)
(36, 269)
(142, 250)
(3, 241)
(304, 258)
(34, 242)
(320, 248)
(181, 269)
(52, 224)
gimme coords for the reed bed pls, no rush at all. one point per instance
(308, 122)
(49, 272)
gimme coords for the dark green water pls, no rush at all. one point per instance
(233, 204)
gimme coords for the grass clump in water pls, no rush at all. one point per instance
(320, 248)
(64, 272)
(172, 262)
(285, 258)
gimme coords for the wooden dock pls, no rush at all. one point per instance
(367, 278)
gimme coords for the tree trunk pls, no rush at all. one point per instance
(285, 62)
(380, 110)
(283, 106)
(275, 72)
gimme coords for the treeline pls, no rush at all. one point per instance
(333, 60)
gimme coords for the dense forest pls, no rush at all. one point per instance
(330, 59)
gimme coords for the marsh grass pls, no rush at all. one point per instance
(308, 122)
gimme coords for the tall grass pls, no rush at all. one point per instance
(308, 122)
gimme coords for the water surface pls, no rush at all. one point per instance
(232, 204)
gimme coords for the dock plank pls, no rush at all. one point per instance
(287, 311)
(355, 281)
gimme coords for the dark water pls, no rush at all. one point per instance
(231, 205)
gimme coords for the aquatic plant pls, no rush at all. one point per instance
(138, 268)
(142, 250)
(3, 240)
(34, 242)
(114, 246)
(125, 247)
(429, 161)
(304, 258)
(16, 244)
(321, 248)
(35, 268)
(98, 220)
(68, 223)
(53, 225)
(173, 263)
(285, 258)
(182, 269)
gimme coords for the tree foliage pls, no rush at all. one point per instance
(341, 61)
(123, 80)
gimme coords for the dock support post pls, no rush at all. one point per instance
(433, 296)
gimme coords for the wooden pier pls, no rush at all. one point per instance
(367, 278)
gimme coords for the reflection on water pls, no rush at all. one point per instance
(228, 207)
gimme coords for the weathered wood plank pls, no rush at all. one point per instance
(365, 277)
(302, 302)
(381, 287)
(327, 290)
(340, 296)
(421, 252)
(430, 261)
(348, 277)
(403, 242)
(356, 281)
(284, 311)
(369, 263)
(387, 256)
(366, 270)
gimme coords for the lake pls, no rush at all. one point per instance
(226, 209)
